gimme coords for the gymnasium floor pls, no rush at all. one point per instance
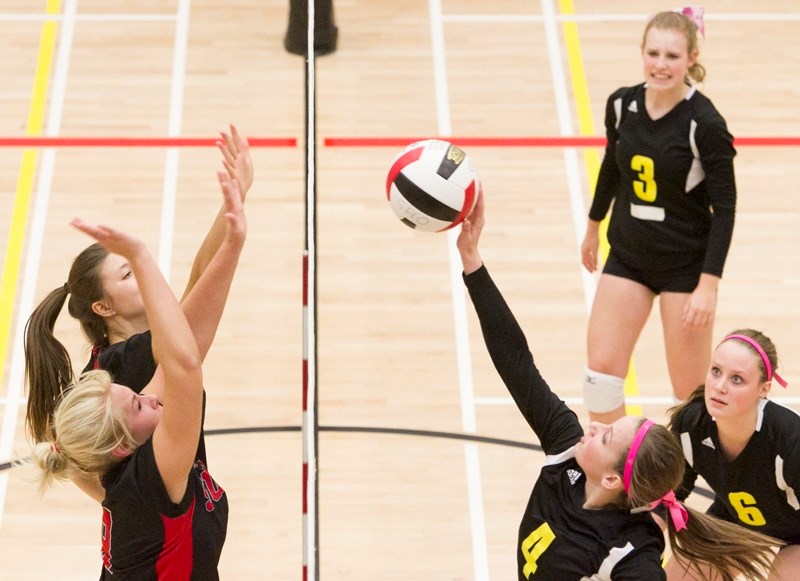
(400, 362)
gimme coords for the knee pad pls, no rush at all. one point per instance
(602, 392)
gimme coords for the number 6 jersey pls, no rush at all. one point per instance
(759, 488)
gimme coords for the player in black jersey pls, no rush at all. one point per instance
(668, 168)
(587, 517)
(745, 446)
(164, 517)
(105, 299)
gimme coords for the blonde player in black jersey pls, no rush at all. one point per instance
(746, 447)
(668, 168)
(587, 516)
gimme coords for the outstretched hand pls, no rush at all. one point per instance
(236, 224)
(237, 159)
(467, 241)
(115, 241)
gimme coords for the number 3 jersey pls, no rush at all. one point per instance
(671, 180)
(559, 540)
(758, 489)
(146, 536)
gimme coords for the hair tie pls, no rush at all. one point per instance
(695, 14)
(677, 512)
(627, 474)
(54, 448)
(66, 287)
(754, 344)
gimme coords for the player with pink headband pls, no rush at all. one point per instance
(746, 447)
(588, 513)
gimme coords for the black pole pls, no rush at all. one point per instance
(325, 31)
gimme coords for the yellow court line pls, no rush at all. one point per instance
(19, 213)
(591, 157)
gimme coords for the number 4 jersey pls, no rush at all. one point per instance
(559, 540)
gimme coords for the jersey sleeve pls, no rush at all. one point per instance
(715, 146)
(555, 424)
(609, 176)
(643, 564)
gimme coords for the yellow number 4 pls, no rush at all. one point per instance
(645, 187)
(534, 545)
(744, 504)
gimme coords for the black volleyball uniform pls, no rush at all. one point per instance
(559, 540)
(129, 362)
(145, 536)
(759, 489)
(672, 183)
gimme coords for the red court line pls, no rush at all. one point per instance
(578, 141)
(581, 141)
(138, 141)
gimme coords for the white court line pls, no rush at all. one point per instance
(175, 123)
(16, 378)
(480, 551)
(494, 18)
(573, 171)
(88, 17)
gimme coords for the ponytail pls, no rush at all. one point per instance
(731, 550)
(652, 469)
(89, 429)
(53, 464)
(48, 367)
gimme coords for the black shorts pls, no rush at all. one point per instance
(676, 280)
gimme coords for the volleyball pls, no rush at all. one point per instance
(432, 185)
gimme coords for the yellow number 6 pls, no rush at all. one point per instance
(745, 505)
(534, 545)
(645, 187)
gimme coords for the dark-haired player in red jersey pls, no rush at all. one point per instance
(164, 517)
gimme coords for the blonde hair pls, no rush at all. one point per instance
(669, 20)
(87, 428)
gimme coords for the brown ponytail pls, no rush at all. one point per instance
(725, 547)
(48, 367)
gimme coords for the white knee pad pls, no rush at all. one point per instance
(602, 392)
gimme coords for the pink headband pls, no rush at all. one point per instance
(637, 441)
(677, 511)
(754, 344)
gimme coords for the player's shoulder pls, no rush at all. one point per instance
(781, 420)
(704, 109)
(626, 93)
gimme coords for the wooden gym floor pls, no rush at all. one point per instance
(398, 348)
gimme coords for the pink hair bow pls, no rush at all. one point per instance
(695, 14)
(677, 512)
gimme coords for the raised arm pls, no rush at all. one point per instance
(174, 347)
(238, 163)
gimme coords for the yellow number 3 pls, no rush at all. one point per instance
(745, 507)
(534, 545)
(645, 186)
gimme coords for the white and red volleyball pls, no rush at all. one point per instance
(432, 185)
